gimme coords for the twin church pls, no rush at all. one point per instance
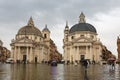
(34, 46)
(81, 42)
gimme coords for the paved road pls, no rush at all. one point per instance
(61, 72)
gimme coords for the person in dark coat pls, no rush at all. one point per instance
(113, 65)
(85, 63)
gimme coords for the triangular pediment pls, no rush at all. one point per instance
(23, 40)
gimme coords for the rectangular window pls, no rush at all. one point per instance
(81, 36)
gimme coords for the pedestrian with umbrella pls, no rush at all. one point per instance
(111, 61)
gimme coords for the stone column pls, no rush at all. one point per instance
(15, 53)
(79, 53)
(12, 52)
(68, 53)
(91, 53)
(77, 50)
(27, 54)
(42, 54)
(18, 56)
(65, 54)
(98, 54)
(74, 54)
(38, 55)
(30, 58)
(87, 53)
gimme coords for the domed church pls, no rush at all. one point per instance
(31, 45)
(80, 42)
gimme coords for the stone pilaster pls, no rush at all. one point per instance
(87, 53)
(31, 54)
(18, 56)
(27, 54)
(15, 54)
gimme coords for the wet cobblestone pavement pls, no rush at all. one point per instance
(104, 72)
(61, 72)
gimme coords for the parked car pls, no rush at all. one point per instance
(10, 61)
(54, 63)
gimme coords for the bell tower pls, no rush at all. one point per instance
(46, 33)
(66, 32)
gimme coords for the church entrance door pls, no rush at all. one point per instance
(35, 59)
(82, 57)
(24, 59)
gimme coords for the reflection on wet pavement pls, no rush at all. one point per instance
(61, 72)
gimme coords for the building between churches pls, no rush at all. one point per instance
(80, 42)
(33, 46)
(4, 53)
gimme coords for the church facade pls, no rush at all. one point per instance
(31, 45)
(80, 42)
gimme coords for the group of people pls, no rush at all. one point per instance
(111, 63)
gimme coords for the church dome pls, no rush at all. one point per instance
(29, 29)
(82, 26)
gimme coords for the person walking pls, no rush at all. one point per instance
(113, 65)
(85, 64)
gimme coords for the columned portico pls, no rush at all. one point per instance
(81, 52)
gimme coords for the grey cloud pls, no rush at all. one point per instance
(19, 10)
(15, 13)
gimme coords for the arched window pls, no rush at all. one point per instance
(82, 36)
(72, 37)
(40, 39)
(45, 35)
(92, 36)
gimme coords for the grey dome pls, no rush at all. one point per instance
(29, 29)
(83, 27)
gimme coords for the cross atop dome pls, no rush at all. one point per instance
(66, 24)
(82, 18)
(46, 29)
(30, 22)
(45, 25)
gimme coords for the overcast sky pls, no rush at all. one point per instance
(104, 15)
